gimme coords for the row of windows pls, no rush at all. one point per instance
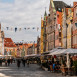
(75, 26)
(51, 37)
(51, 45)
(75, 39)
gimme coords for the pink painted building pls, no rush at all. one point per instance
(74, 32)
(58, 29)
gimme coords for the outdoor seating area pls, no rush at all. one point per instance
(60, 60)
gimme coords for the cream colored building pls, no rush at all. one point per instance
(1, 41)
(69, 12)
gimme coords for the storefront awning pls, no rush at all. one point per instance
(63, 51)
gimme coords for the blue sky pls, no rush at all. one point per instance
(23, 13)
(7, 1)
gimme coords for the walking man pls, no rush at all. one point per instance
(18, 63)
(28, 62)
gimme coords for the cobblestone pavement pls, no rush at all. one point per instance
(32, 71)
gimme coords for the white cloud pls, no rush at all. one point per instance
(23, 13)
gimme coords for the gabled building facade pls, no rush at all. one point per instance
(43, 33)
(42, 38)
(9, 47)
(32, 49)
(51, 26)
(56, 25)
(1, 41)
(69, 14)
(58, 28)
(74, 31)
(38, 45)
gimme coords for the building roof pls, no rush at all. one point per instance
(29, 45)
(59, 5)
(45, 13)
(8, 42)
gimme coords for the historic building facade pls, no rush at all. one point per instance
(64, 29)
(58, 29)
(1, 41)
(56, 25)
(32, 49)
(69, 14)
(74, 33)
(10, 47)
(42, 38)
(38, 45)
(51, 27)
(44, 33)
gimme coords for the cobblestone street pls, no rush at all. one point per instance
(32, 71)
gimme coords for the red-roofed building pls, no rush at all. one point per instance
(23, 49)
(32, 49)
(9, 47)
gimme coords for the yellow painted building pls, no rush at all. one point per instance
(42, 30)
(63, 29)
(69, 12)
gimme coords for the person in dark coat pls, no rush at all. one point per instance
(18, 63)
(23, 62)
(1, 62)
(28, 63)
(11, 60)
(5, 62)
(8, 61)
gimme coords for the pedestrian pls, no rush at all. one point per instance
(18, 63)
(5, 62)
(1, 62)
(8, 62)
(14, 60)
(11, 60)
(23, 62)
(28, 62)
(54, 67)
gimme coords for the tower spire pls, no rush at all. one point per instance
(45, 12)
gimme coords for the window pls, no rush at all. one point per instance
(59, 34)
(76, 12)
(76, 24)
(58, 16)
